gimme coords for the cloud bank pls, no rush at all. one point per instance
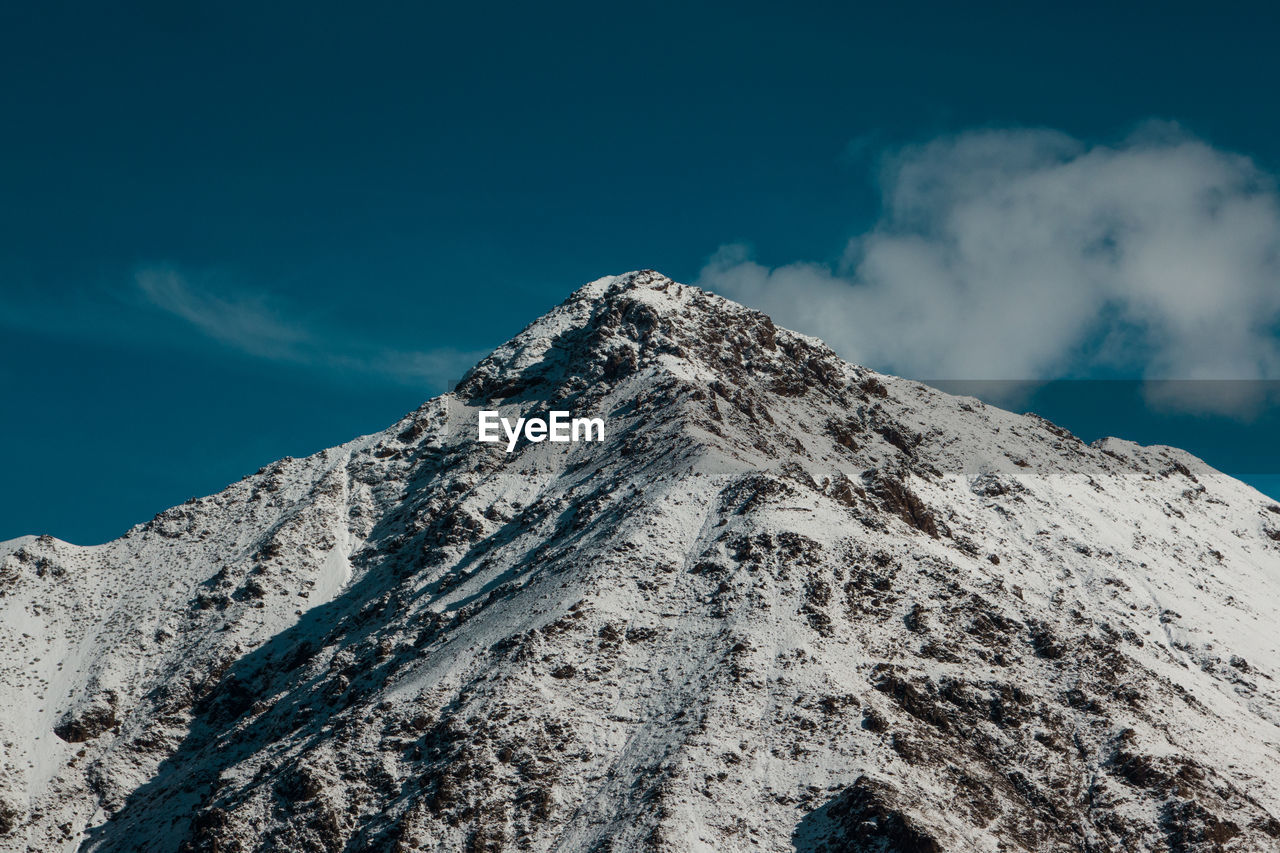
(1029, 255)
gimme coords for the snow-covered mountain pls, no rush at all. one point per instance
(787, 604)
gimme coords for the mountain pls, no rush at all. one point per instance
(787, 604)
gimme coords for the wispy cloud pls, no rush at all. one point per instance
(251, 323)
(246, 323)
(1027, 254)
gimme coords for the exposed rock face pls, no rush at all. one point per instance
(787, 604)
(86, 725)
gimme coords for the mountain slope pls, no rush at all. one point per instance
(787, 604)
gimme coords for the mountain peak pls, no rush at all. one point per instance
(614, 326)
(787, 604)
(603, 288)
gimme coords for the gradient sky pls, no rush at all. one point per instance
(233, 232)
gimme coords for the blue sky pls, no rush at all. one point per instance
(233, 232)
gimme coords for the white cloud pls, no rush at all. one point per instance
(245, 323)
(1026, 254)
(252, 325)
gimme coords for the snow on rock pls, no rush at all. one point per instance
(788, 604)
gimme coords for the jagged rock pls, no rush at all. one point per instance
(88, 722)
(9, 817)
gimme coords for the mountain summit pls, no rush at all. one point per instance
(787, 604)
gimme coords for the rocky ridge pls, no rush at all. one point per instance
(789, 604)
